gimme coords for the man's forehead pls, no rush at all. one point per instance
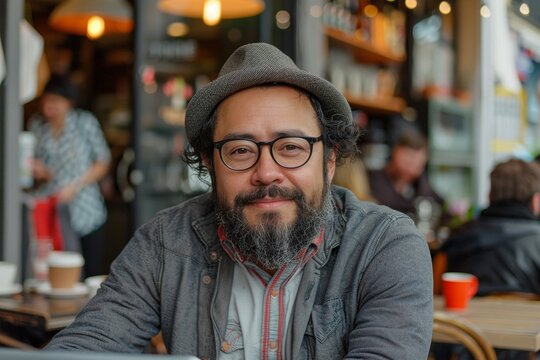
(278, 111)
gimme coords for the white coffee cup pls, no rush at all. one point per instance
(9, 273)
(64, 269)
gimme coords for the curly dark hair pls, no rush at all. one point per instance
(338, 133)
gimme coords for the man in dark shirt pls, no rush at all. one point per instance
(502, 246)
(403, 179)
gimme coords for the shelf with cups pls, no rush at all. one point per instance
(362, 49)
(365, 71)
(379, 104)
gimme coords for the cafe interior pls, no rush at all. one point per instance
(463, 73)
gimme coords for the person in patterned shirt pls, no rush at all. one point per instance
(71, 157)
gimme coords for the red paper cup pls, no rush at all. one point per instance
(458, 289)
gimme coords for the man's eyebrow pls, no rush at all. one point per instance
(291, 132)
(237, 135)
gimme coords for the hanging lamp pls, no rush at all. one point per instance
(92, 18)
(212, 11)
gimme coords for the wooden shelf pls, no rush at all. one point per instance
(385, 105)
(363, 50)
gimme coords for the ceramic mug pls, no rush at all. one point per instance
(458, 288)
(9, 274)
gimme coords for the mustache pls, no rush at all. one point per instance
(268, 191)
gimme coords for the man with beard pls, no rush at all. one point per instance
(274, 263)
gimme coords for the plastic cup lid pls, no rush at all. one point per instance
(65, 259)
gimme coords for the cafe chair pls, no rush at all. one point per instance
(447, 329)
(8, 341)
(439, 263)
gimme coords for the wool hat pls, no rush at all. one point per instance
(63, 86)
(258, 64)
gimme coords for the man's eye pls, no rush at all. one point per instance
(240, 151)
(291, 147)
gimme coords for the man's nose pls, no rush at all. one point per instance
(267, 171)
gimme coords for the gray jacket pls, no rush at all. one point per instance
(366, 294)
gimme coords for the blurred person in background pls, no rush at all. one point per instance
(403, 180)
(502, 246)
(71, 156)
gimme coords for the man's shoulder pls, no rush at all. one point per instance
(349, 205)
(188, 221)
(177, 218)
(367, 221)
(189, 210)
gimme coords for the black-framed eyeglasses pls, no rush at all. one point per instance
(290, 152)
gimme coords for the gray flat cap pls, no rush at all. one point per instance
(257, 64)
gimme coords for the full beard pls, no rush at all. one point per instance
(272, 242)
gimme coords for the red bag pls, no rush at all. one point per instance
(47, 223)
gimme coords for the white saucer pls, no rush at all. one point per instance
(77, 291)
(12, 290)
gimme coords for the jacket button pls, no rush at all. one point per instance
(225, 346)
(272, 344)
(206, 280)
(214, 256)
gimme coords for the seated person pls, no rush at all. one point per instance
(502, 246)
(274, 262)
(403, 179)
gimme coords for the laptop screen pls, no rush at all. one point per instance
(13, 354)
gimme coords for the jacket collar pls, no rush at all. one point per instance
(509, 209)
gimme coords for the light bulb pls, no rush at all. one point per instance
(371, 11)
(177, 29)
(485, 12)
(95, 27)
(445, 8)
(212, 12)
(524, 9)
(411, 4)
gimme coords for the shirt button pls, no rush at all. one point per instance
(274, 293)
(272, 345)
(225, 346)
(214, 256)
(206, 280)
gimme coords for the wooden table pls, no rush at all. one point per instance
(507, 324)
(38, 314)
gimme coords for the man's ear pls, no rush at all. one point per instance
(331, 165)
(535, 204)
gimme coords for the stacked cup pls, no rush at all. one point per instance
(8, 275)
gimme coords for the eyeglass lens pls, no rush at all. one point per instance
(288, 152)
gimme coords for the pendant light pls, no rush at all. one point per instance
(92, 18)
(212, 11)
